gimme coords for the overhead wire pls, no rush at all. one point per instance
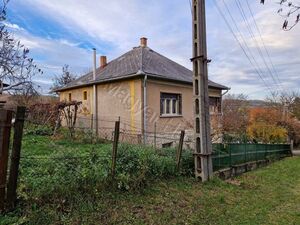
(263, 42)
(249, 55)
(261, 73)
(258, 47)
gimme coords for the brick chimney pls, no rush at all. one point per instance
(143, 42)
(103, 61)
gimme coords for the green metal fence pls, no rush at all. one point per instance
(227, 155)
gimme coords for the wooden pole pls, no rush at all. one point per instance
(15, 157)
(179, 150)
(155, 135)
(5, 126)
(203, 146)
(115, 148)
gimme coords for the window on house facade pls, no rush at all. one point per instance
(170, 104)
(214, 105)
(85, 95)
(70, 97)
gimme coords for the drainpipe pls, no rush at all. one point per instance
(145, 109)
(95, 103)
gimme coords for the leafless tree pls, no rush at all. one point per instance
(283, 100)
(63, 79)
(68, 111)
(16, 67)
(288, 104)
(289, 10)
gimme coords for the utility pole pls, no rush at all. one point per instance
(203, 146)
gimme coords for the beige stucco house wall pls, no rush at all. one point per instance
(171, 123)
(124, 100)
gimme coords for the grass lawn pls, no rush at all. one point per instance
(270, 195)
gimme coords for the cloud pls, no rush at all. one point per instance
(51, 55)
(115, 26)
(12, 26)
(233, 68)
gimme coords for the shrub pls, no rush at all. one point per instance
(61, 170)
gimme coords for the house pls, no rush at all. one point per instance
(147, 91)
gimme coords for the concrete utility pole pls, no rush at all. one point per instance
(203, 146)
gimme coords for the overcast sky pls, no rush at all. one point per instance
(62, 32)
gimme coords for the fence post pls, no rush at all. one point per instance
(115, 148)
(139, 139)
(5, 126)
(15, 157)
(155, 135)
(179, 150)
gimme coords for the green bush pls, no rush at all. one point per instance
(34, 129)
(59, 170)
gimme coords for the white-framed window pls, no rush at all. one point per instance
(170, 104)
(215, 105)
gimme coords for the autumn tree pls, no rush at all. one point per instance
(289, 10)
(265, 126)
(287, 103)
(235, 117)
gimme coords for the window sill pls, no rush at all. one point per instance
(170, 116)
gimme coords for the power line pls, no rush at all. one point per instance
(249, 28)
(263, 42)
(245, 43)
(191, 7)
(252, 61)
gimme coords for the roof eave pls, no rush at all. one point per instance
(102, 81)
(135, 75)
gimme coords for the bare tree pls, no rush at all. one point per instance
(296, 107)
(65, 78)
(16, 67)
(289, 10)
(288, 104)
(284, 101)
(68, 111)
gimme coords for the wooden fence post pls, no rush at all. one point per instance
(15, 157)
(5, 126)
(155, 135)
(115, 148)
(179, 150)
(139, 139)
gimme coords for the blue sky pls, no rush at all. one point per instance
(62, 32)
